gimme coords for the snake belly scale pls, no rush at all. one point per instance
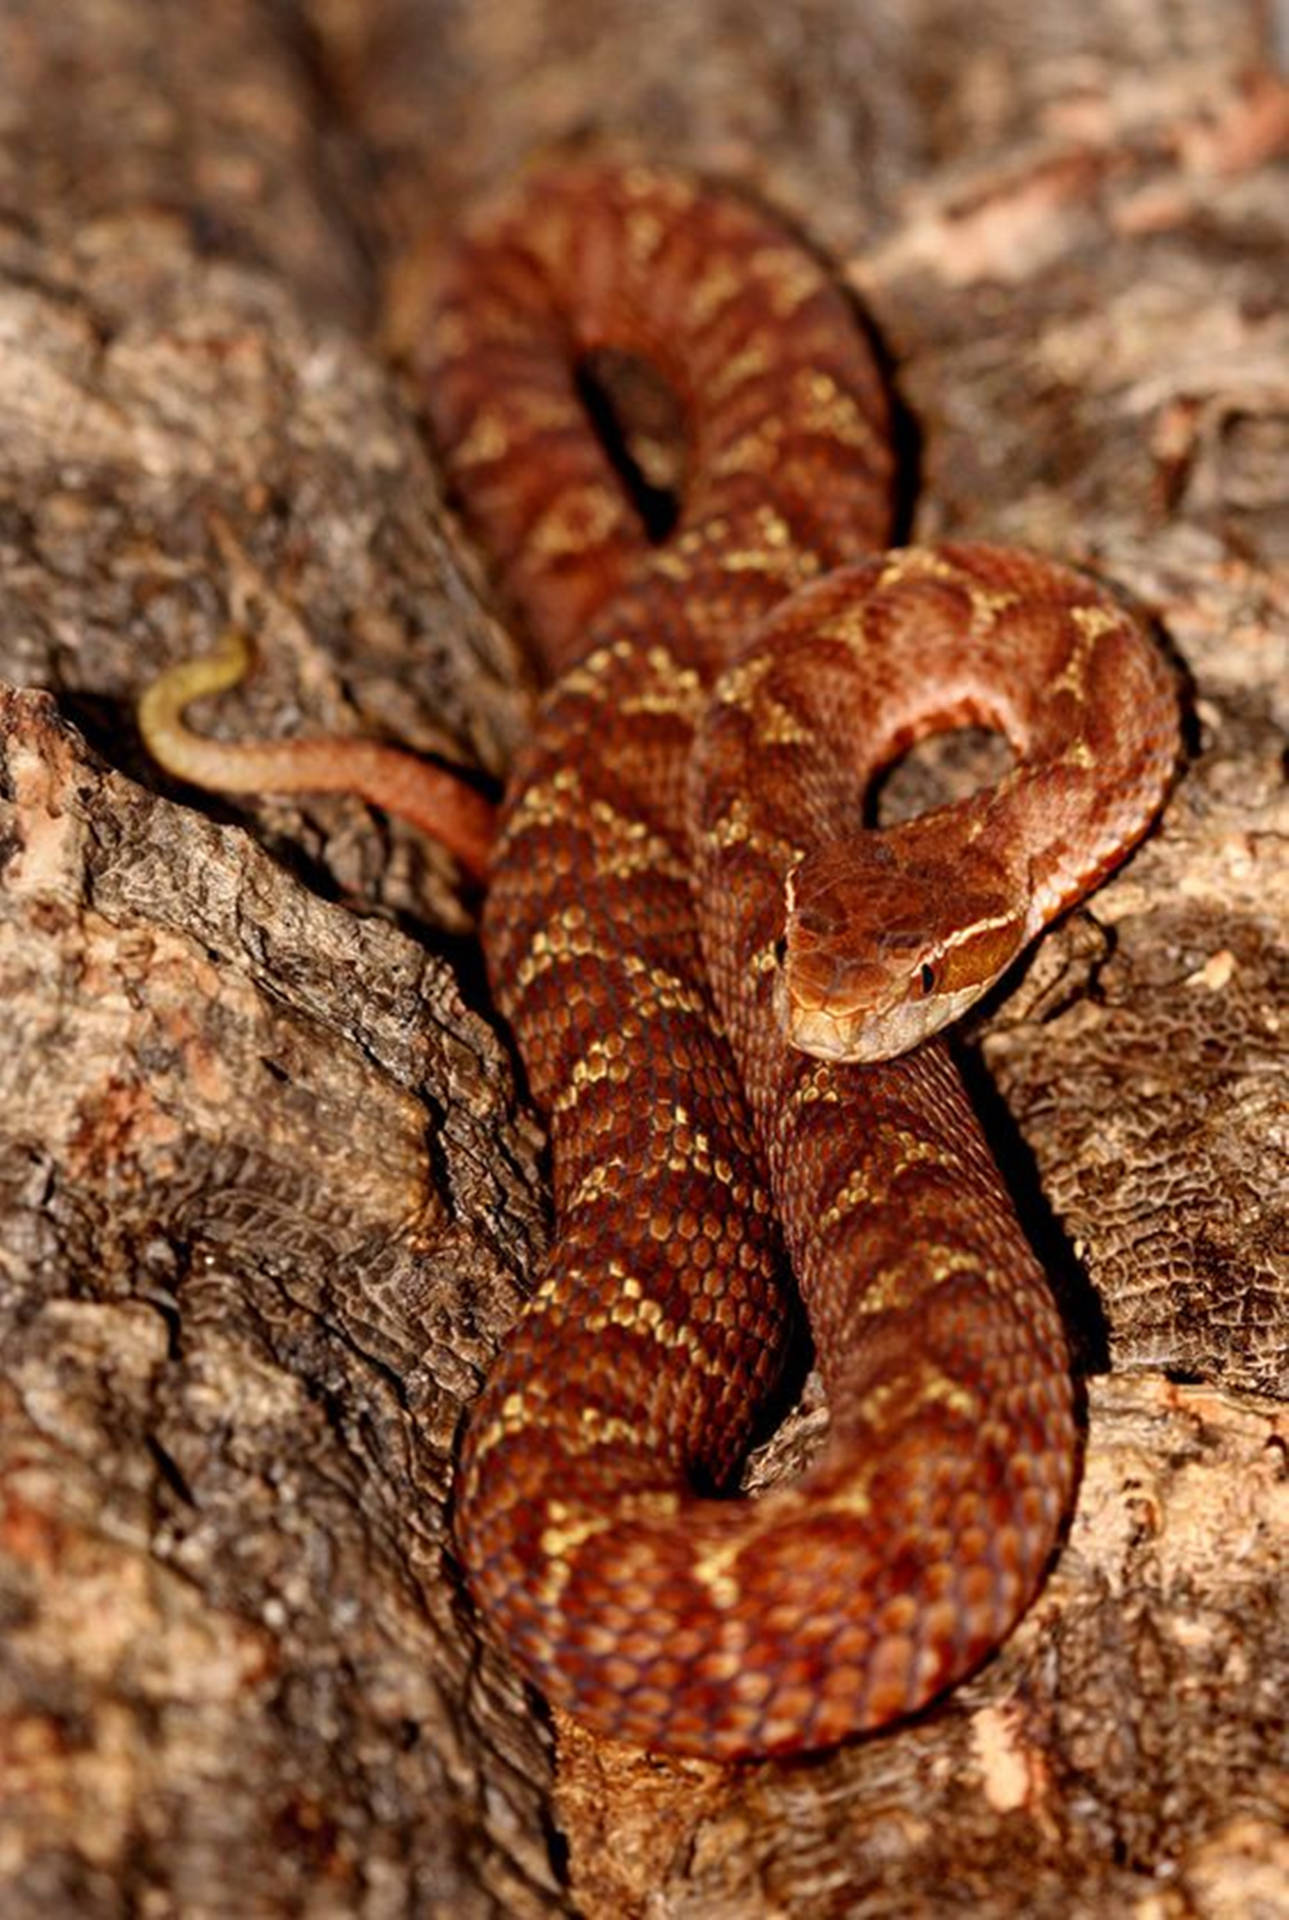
(712, 1068)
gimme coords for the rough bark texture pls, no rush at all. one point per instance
(268, 1193)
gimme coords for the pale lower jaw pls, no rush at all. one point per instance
(847, 1039)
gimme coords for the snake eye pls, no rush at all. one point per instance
(926, 979)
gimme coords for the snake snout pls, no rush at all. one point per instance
(830, 1003)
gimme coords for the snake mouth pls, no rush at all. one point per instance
(819, 1034)
(837, 1031)
(827, 1031)
(853, 1040)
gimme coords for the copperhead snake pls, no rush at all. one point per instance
(724, 1080)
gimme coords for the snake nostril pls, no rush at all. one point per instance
(821, 919)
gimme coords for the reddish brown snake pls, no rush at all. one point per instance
(636, 942)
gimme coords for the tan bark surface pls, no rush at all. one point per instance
(269, 1194)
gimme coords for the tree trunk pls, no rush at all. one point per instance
(270, 1194)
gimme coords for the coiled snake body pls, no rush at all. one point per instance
(720, 703)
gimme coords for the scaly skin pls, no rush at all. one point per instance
(634, 928)
(711, 1626)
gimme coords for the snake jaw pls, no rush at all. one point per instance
(872, 966)
(846, 1037)
(837, 1027)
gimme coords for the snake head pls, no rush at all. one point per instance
(885, 944)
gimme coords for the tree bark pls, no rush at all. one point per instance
(270, 1194)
